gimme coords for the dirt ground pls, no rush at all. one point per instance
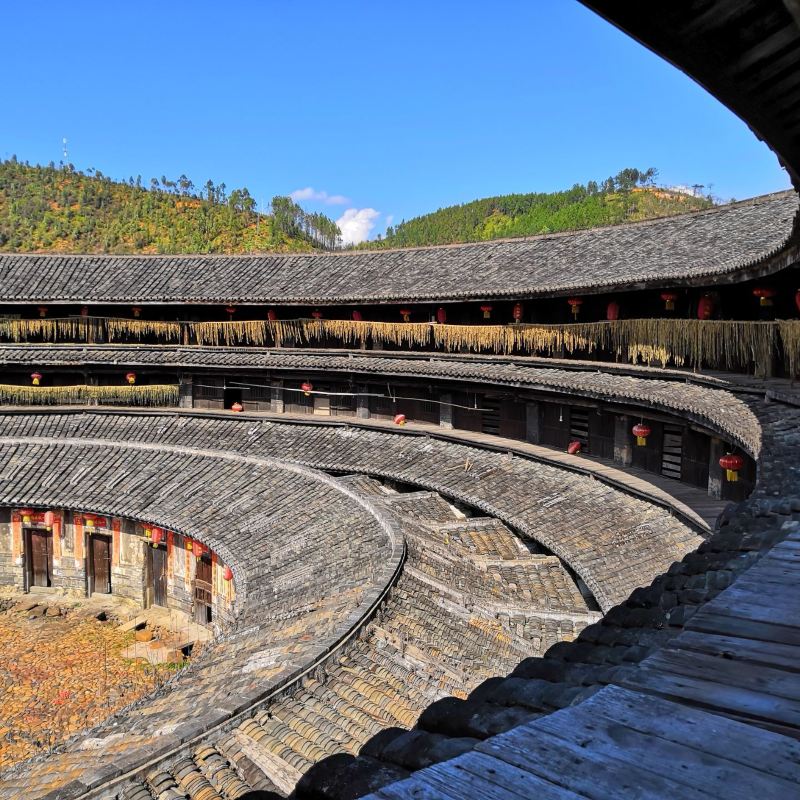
(62, 670)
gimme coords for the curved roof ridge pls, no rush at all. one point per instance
(691, 213)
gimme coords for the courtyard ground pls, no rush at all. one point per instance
(63, 670)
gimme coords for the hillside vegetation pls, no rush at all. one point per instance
(628, 196)
(62, 209)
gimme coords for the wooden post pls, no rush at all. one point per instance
(185, 391)
(532, 433)
(276, 402)
(623, 441)
(362, 403)
(716, 451)
(446, 411)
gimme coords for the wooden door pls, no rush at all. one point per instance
(40, 557)
(100, 564)
(513, 419)
(157, 569)
(202, 591)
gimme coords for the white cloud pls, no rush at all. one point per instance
(356, 224)
(321, 196)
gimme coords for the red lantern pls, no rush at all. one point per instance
(42, 311)
(669, 299)
(764, 295)
(227, 574)
(316, 314)
(405, 313)
(231, 310)
(357, 316)
(705, 308)
(271, 315)
(641, 432)
(136, 311)
(84, 311)
(199, 549)
(797, 299)
(399, 419)
(612, 311)
(237, 406)
(49, 519)
(487, 311)
(157, 536)
(307, 387)
(441, 315)
(517, 312)
(731, 463)
(573, 448)
(130, 377)
(36, 378)
(575, 304)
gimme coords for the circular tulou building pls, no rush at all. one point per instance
(501, 520)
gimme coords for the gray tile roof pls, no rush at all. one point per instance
(695, 248)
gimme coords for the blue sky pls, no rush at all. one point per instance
(385, 110)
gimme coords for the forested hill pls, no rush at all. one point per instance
(630, 195)
(61, 209)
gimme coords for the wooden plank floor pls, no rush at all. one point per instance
(618, 744)
(740, 654)
(715, 713)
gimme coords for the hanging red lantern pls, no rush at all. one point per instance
(136, 311)
(271, 315)
(357, 316)
(405, 313)
(441, 315)
(573, 448)
(316, 314)
(516, 312)
(49, 519)
(36, 378)
(84, 311)
(230, 310)
(487, 311)
(612, 311)
(227, 574)
(42, 311)
(307, 387)
(130, 377)
(797, 299)
(157, 536)
(575, 304)
(705, 308)
(764, 295)
(199, 549)
(399, 419)
(669, 299)
(731, 463)
(641, 432)
(237, 406)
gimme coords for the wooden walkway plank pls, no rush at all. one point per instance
(473, 775)
(731, 672)
(581, 766)
(774, 654)
(763, 751)
(674, 760)
(730, 625)
(767, 710)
